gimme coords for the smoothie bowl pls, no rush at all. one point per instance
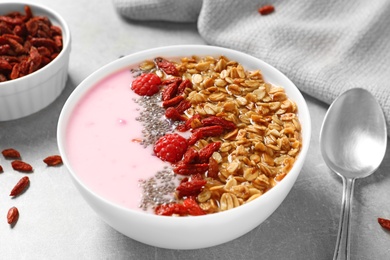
(185, 147)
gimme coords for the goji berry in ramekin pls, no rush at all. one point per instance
(31, 93)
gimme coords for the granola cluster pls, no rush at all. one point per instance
(259, 151)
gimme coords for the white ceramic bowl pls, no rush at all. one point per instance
(29, 94)
(187, 232)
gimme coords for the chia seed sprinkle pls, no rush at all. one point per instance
(160, 188)
(155, 125)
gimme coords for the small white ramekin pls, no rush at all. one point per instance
(29, 94)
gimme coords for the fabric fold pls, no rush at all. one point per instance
(325, 47)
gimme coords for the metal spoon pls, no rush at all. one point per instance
(353, 141)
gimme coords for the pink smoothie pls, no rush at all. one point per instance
(100, 142)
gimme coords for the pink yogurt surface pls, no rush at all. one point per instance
(99, 142)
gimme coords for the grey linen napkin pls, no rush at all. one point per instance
(325, 47)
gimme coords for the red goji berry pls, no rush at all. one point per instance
(167, 66)
(183, 106)
(20, 186)
(11, 20)
(213, 168)
(173, 101)
(35, 60)
(189, 169)
(206, 152)
(12, 215)
(11, 153)
(192, 207)
(203, 132)
(19, 33)
(170, 209)
(215, 120)
(169, 91)
(192, 187)
(190, 123)
(190, 156)
(53, 160)
(181, 128)
(21, 166)
(266, 9)
(385, 223)
(47, 42)
(171, 80)
(183, 85)
(4, 49)
(173, 114)
(5, 65)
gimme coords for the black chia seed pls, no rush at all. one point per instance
(155, 125)
(160, 188)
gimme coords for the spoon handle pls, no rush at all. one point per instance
(342, 245)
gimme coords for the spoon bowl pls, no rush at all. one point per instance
(353, 142)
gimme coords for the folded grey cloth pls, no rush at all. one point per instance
(325, 47)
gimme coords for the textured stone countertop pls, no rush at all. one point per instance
(56, 223)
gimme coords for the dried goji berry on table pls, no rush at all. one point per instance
(11, 153)
(53, 160)
(21, 166)
(266, 9)
(385, 223)
(170, 209)
(12, 215)
(20, 186)
(1, 169)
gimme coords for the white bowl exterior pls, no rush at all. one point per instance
(188, 232)
(29, 94)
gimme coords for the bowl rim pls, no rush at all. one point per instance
(60, 21)
(121, 63)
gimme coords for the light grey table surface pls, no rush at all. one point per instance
(56, 223)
